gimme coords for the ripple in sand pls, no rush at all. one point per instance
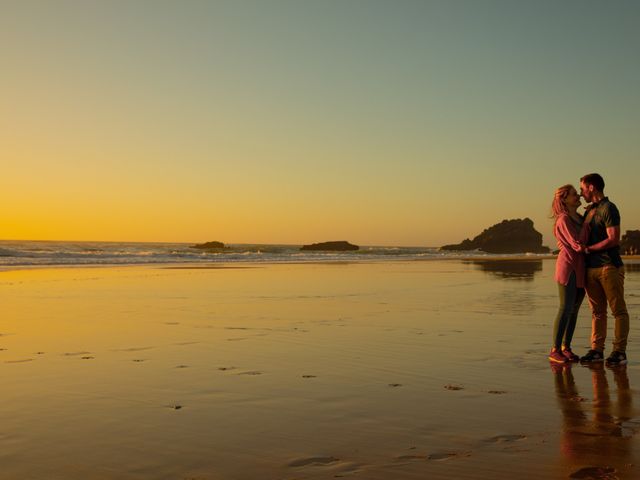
(172, 323)
(252, 372)
(403, 458)
(74, 354)
(595, 473)
(131, 349)
(303, 462)
(444, 456)
(454, 387)
(20, 361)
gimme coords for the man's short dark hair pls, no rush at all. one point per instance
(593, 179)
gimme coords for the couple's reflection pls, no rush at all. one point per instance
(598, 432)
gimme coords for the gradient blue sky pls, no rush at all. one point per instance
(396, 123)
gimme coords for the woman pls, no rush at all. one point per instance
(571, 232)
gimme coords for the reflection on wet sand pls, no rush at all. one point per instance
(631, 267)
(510, 269)
(597, 436)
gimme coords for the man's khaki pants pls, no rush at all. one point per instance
(605, 285)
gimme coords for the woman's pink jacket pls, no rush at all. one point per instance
(570, 236)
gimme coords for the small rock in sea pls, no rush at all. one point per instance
(454, 387)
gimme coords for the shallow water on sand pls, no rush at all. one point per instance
(432, 369)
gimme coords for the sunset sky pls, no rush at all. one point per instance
(272, 121)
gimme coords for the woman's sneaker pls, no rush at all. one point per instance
(556, 356)
(569, 355)
(592, 356)
(617, 358)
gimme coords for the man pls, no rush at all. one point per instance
(605, 273)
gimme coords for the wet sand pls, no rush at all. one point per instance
(376, 371)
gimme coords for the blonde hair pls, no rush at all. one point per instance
(558, 206)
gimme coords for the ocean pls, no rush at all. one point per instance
(18, 253)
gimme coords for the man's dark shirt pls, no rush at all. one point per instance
(606, 215)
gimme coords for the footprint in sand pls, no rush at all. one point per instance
(20, 361)
(595, 473)
(309, 376)
(87, 358)
(497, 392)
(138, 360)
(3, 349)
(395, 384)
(226, 369)
(303, 462)
(454, 387)
(182, 366)
(37, 353)
(174, 407)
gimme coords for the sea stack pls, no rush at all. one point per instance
(630, 243)
(508, 236)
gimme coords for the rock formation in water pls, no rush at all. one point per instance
(340, 246)
(508, 236)
(630, 243)
(209, 245)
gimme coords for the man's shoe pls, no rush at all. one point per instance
(556, 356)
(592, 356)
(569, 355)
(617, 358)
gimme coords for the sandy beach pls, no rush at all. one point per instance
(406, 370)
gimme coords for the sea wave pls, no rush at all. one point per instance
(31, 253)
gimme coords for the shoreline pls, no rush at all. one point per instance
(254, 264)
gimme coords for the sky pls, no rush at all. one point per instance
(406, 122)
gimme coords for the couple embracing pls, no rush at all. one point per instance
(588, 262)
